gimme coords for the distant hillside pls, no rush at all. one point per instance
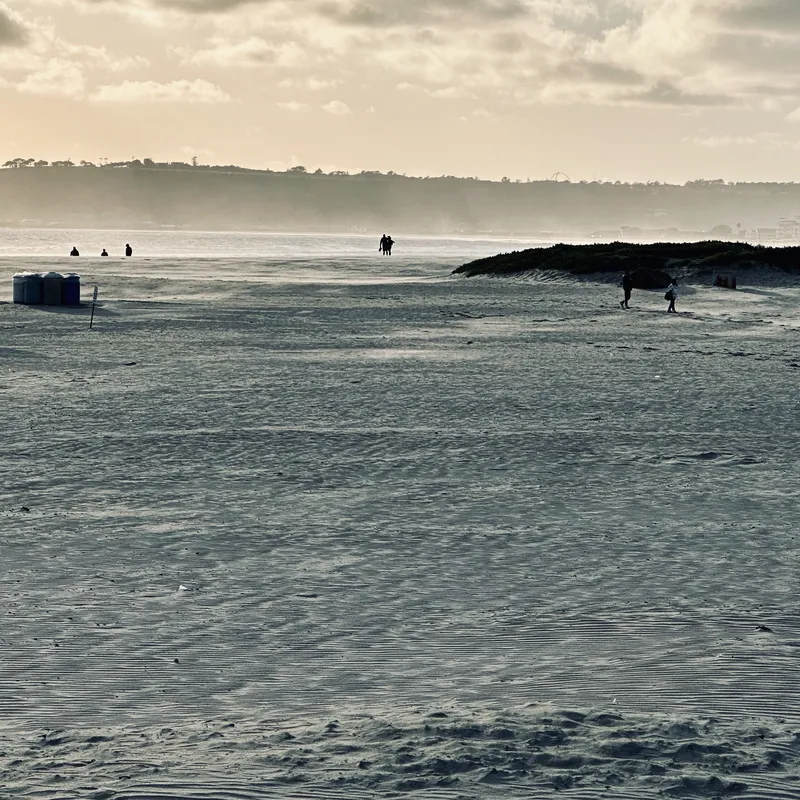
(672, 259)
(147, 194)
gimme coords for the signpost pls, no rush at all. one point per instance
(94, 300)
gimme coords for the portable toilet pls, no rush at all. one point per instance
(32, 289)
(51, 288)
(71, 289)
(19, 287)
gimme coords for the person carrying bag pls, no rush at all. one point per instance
(672, 295)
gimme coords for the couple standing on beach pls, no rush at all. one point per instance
(385, 246)
(671, 293)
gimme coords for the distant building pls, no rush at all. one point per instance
(788, 230)
(766, 235)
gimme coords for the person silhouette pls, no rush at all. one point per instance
(627, 287)
(104, 253)
(382, 245)
(672, 295)
(74, 252)
(128, 250)
(389, 243)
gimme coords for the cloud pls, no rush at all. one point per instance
(670, 53)
(187, 6)
(359, 13)
(446, 92)
(252, 52)
(337, 108)
(310, 84)
(722, 141)
(57, 78)
(293, 106)
(51, 65)
(13, 29)
(773, 16)
(761, 139)
(97, 57)
(586, 70)
(180, 91)
(390, 13)
(665, 94)
(451, 92)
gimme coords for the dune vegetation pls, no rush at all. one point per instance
(670, 258)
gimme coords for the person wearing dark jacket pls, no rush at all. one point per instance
(627, 287)
(74, 252)
(672, 295)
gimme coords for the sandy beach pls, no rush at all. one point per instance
(338, 528)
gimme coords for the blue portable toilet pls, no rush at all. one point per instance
(32, 289)
(19, 287)
(51, 288)
(71, 289)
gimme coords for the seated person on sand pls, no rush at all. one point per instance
(128, 250)
(74, 252)
(104, 253)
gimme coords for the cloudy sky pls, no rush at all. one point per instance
(665, 90)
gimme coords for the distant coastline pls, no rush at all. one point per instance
(147, 195)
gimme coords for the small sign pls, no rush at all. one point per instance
(94, 295)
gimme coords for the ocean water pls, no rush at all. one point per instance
(170, 244)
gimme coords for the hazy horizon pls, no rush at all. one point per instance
(630, 90)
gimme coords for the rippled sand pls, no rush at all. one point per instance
(316, 530)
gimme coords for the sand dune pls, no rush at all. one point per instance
(312, 530)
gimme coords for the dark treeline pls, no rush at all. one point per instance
(146, 193)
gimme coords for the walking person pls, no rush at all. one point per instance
(389, 243)
(382, 245)
(627, 287)
(672, 295)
